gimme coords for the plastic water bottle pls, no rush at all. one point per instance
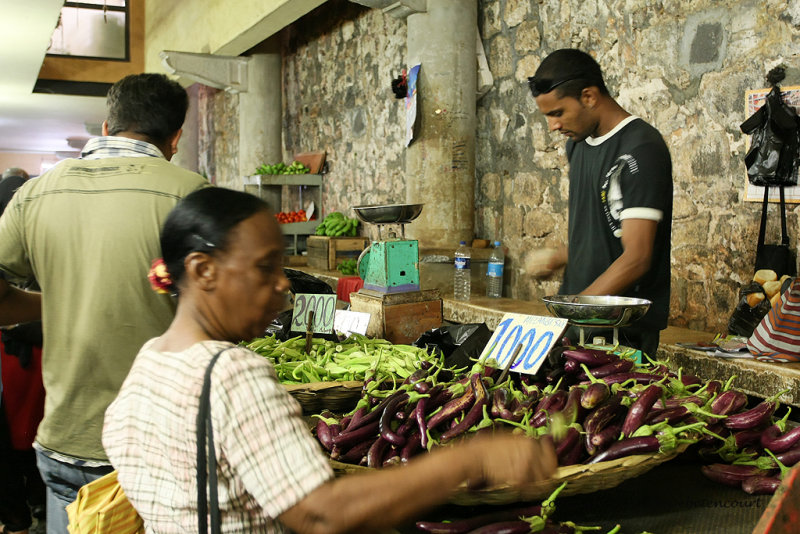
(463, 272)
(494, 272)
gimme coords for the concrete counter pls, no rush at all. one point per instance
(753, 377)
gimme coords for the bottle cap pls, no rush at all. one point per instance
(497, 243)
(463, 243)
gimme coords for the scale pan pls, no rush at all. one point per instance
(388, 213)
(597, 311)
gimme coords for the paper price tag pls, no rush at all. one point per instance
(323, 306)
(350, 322)
(536, 334)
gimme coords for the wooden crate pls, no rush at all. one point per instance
(328, 252)
(399, 317)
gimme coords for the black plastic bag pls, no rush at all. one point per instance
(745, 318)
(303, 283)
(460, 343)
(774, 155)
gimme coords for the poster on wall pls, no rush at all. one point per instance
(411, 103)
(753, 100)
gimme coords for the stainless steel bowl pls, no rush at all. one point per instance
(388, 213)
(597, 311)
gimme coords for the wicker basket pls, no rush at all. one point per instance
(338, 397)
(581, 478)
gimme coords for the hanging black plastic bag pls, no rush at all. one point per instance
(460, 343)
(303, 283)
(774, 155)
(749, 311)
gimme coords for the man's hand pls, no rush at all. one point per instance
(543, 262)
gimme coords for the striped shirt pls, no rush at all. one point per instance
(268, 460)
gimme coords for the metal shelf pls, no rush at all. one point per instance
(270, 187)
(283, 179)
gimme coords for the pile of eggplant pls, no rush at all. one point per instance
(595, 405)
(519, 520)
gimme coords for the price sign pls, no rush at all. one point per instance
(536, 334)
(323, 307)
(349, 322)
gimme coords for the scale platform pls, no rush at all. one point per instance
(590, 311)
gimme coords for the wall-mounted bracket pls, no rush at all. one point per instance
(220, 72)
(397, 9)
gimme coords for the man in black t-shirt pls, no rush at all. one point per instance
(620, 194)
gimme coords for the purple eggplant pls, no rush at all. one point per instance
(728, 402)
(628, 447)
(600, 441)
(549, 404)
(385, 421)
(463, 526)
(638, 410)
(591, 358)
(324, 434)
(594, 395)
(376, 452)
(774, 440)
(413, 446)
(761, 485)
(754, 417)
(572, 455)
(475, 413)
(668, 415)
(351, 437)
(690, 380)
(713, 387)
(500, 401)
(422, 425)
(572, 366)
(452, 408)
(572, 410)
(638, 377)
(504, 527)
(356, 453)
(571, 437)
(602, 415)
(747, 437)
(622, 365)
(375, 414)
(731, 475)
(673, 402)
(790, 457)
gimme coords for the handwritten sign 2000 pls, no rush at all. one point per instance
(323, 306)
(537, 335)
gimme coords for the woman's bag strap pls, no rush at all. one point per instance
(207, 478)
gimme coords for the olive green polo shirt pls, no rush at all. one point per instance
(87, 230)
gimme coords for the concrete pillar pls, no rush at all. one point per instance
(440, 163)
(260, 109)
(186, 156)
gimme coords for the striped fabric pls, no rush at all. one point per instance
(268, 461)
(777, 337)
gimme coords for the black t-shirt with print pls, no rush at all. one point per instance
(627, 173)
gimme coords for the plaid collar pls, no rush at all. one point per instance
(115, 147)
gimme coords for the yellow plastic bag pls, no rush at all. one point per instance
(101, 508)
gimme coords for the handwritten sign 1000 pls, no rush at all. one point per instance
(323, 306)
(536, 334)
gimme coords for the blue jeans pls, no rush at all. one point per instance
(63, 482)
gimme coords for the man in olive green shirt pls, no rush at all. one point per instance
(87, 230)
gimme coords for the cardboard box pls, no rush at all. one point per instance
(327, 252)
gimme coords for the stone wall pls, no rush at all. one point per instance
(683, 65)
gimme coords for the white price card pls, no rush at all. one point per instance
(351, 322)
(536, 334)
(323, 307)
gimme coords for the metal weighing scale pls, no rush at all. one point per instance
(399, 310)
(584, 311)
(390, 264)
